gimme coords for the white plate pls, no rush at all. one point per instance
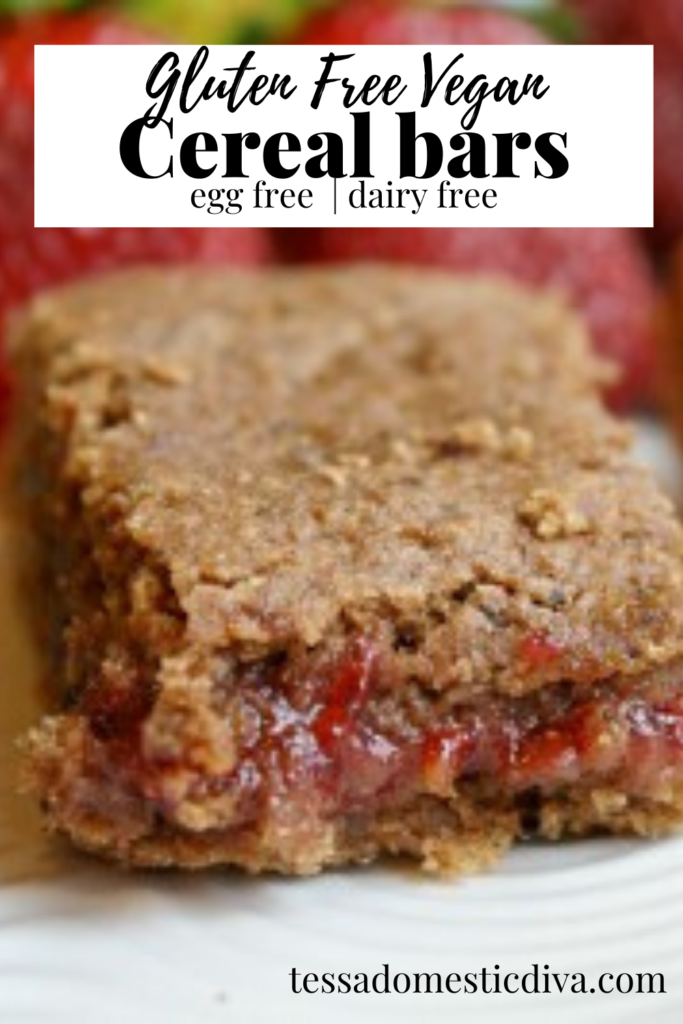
(81, 943)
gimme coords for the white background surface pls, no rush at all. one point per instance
(600, 96)
(82, 943)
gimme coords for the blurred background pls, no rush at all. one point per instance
(627, 285)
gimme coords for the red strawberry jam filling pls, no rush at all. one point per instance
(343, 738)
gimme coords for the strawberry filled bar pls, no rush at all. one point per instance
(340, 564)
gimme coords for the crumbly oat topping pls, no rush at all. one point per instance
(369, 441)
(550, 516)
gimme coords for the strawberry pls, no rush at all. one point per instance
(600, 19)
(383, 21)
(658, 23)
(602, 272)
(34, 258)
(671, 343)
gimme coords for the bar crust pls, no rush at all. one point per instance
(303, 533)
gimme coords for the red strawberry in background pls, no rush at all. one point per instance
(383, 21)
(671, 329)
(599, 18)
(658, 23)
(603, 272)
(34, 258)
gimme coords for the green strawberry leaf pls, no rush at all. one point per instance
(271, 27)
(550, 16)
(19, 7)
(219, 21)
(562, 26)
